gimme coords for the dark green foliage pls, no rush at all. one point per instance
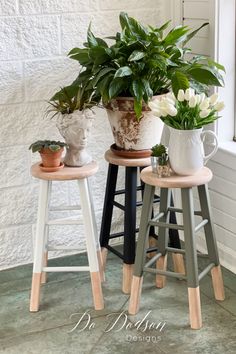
(142, 62)
(50, 144)
(160, 151)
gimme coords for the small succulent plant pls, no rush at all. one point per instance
(160, 151)
(52, 145)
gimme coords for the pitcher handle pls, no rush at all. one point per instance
(203, 134)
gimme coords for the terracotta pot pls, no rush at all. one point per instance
(128, 133)
(51, 158)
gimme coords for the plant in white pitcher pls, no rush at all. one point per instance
(185, 116)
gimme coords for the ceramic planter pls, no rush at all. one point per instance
(51, 160)
(186, 151)
(75, 129)
(128, 133)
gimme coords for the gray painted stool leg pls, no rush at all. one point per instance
(191, 259)
(137, 280)
(161, 263)
(211, 242)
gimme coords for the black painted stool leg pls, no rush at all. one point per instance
(108, 210)
(129, 226)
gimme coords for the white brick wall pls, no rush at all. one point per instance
(35, 36)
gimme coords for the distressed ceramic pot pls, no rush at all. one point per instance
(128, 133)
(75, 129)
(186, 151)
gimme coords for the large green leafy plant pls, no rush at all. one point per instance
(143, 62)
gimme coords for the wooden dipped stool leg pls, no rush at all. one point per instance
(191, 259)
(137, 280)
(217, 280)
(127, 277)
(39, 245)
(161, 263)
(45, 263)
(91, 244)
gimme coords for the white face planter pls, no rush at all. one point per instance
(75, 129)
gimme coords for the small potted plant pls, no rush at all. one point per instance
(72, 107)
(160, 160)
(185, 116)
(51, 152)
(142, 62)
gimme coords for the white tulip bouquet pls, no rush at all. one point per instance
(189, 111)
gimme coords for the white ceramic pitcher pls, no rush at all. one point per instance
(186, 152)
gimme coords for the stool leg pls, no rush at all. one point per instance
(39, 245)
(108, 210)
(91, 244)
(161, 263)
(177, 258)
(137, 280)
(99, 254)
(216, 274)
(45, 257)
(191, 259)
(129, 227)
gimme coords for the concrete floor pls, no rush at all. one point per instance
(66, 294)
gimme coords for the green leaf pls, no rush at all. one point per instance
(179, 81)
(136, 55)
(92, 42)
(175, 35)
(137, 90)
(123, 71)
(101, 73)
(204, 75)
(116, 86)
(192, 34)
(217, 65)
(138, 108)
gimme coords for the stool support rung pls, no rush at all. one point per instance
(118, 205)
(175, 250)
(178, 210)
(120, 234)
(113, 250)
(205, 271)
(66, 207)
(157, 217)
(122, 191)
(153, 260)
(202, 223)
(166, 225)
(66, 269)
(65, 222)
(165, 272)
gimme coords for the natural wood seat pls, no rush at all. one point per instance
(66, 173)
(174, 181)
(127, 162)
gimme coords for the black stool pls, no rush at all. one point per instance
(129, 208)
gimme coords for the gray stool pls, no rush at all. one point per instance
(185, 183)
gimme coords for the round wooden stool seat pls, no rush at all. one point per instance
(175, 181)
(66, 173)
(127, 162)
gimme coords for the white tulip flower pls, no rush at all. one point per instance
(192, 101)
(204, 104)
(202, 97)
(204, 113)
(181, 96)
(189, 93)
(154, 105)
(171, 97)
(219, 106)
(171, 110)
(214, 98)
(198, 98)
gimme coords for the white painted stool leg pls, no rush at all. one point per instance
(99, 253)
(39, 245)
(91, 244)
(45, 256)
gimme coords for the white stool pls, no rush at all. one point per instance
(41, 250)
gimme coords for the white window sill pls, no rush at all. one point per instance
(226, 155)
